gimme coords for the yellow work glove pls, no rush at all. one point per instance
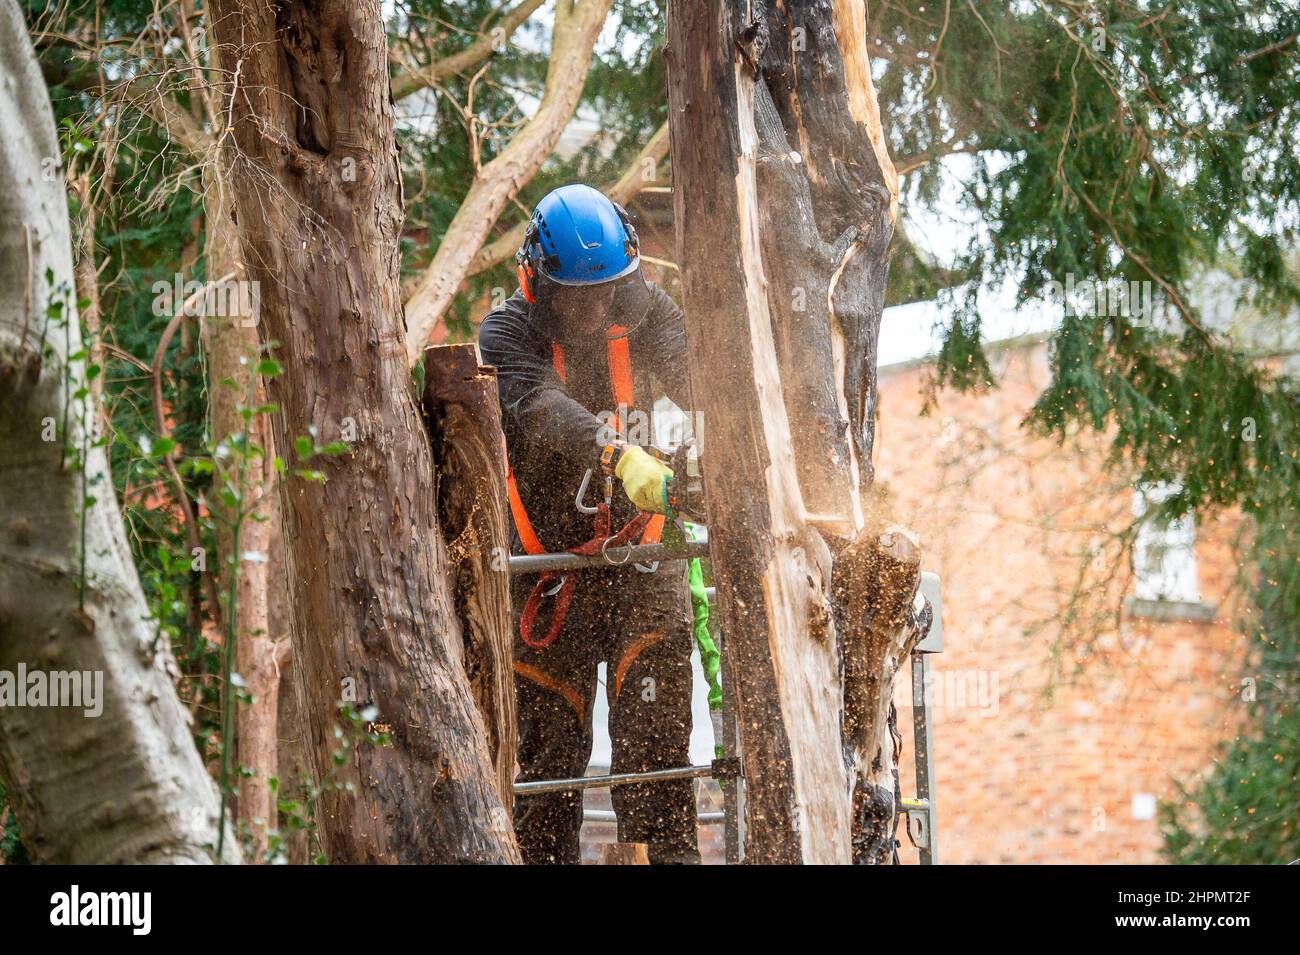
(644, 478)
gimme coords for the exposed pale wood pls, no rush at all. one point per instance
(576, 25)
(464, 420)
(781, 657)
(821, 95)
(784, 198)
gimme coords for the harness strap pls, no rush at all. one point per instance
(630, 655)
(527, 536)
(601, 540)
(654, 529)
(649, 526)
(620, 365)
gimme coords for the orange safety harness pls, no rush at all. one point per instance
(650, 526)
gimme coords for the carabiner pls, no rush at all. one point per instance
(582, 492)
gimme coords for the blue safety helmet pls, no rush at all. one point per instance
(577, 236)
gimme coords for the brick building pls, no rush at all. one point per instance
(1078, 685)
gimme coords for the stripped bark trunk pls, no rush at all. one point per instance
(784, 199)
(127, 785)
(464, 421)
(576, 25)
(293, 771)
(318, 190)
(232, 349)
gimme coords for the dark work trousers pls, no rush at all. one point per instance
(639, 625)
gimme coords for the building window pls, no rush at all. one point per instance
(1164, 552)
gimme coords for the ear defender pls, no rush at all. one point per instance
(525, 285)
(524, 265)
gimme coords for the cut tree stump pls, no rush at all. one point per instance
(463, 416)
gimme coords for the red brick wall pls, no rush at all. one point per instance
(1074, 720)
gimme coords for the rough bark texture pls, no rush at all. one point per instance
(318, 189)
(128, 785)
(782, 663)
(784, 199)
(464, 419)
(816, 69)
(576, 25)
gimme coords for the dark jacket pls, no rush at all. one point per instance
(551, 426)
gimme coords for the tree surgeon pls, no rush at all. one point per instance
(582, 349)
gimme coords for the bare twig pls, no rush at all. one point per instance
(192, 534)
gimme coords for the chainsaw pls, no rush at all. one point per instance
(685, 492)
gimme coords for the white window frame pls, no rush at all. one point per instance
(1164, 555)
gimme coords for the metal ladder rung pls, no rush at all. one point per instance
(607, 815)
(614, 557)
(718, 769)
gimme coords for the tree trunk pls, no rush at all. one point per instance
(464, 420)
(232, 347)
(292, 763)
(318, 190)
(876, 579)
(784, 199)
(291, 738)
(126, 785)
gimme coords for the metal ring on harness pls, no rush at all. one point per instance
(604, 554)
(556, 589)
